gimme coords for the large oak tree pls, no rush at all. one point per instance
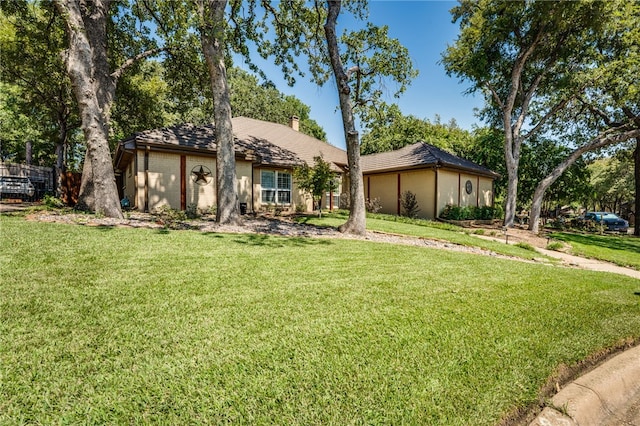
(522, 56)
(89, 65)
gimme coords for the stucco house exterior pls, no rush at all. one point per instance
(176, 166)
(436, 177)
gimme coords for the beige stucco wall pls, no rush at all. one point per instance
(448, 189)
(243, 176)
(203, 196)
(164, 181)
(451, 189)
(129, 181)
(468, 199)
(485, 187)
(422, 184)
(384, 188)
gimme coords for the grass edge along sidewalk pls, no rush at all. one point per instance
(136, 325)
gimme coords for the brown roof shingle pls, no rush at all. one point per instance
(202, 138)
(418, 155)
(306, 147)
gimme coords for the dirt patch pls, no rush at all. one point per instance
(513, 235)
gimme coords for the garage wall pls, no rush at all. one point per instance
(485, 188)
(448, 189)
(422, 184)
(384, 187)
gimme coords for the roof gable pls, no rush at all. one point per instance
(304, 146)
(420, 154)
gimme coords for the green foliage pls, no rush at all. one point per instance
(387, 129)
(451, 212)
(315, 180)
(36, 104)
(372, 205)
(170, 218)
(612, 182)
(409, 204)
(192, 211)
(539, 157)
(525, 246)
(52, 202)
(265, 102)
(555, 246)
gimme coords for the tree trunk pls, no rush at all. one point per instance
(356, 224)
(60, 163)
(213, 45)
(88, 70)
(28, 153)
(602, 140)
(636, 216)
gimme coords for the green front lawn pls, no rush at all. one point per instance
(102, 325)
(424, 229)
(621, 250)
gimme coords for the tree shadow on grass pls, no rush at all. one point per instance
(274, 241)
(611, 242)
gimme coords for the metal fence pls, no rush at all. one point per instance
(42, 178)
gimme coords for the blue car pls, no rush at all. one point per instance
(610, 220)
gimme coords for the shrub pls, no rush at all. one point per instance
(409, 204)
(345, 201)
(452, 212)
(555, 246)
(373, 206)
(192, 211)
(52, 202)
(168, 216)
(525, 246)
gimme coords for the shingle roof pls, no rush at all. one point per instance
(306, 147)
(420, 154)
(194, 137)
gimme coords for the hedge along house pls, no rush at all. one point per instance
(436, 177)
(176, 166)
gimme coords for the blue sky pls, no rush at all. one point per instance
(425, 28)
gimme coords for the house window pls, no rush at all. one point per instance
(276, 187)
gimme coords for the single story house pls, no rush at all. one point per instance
(436, 177)
(176, 166)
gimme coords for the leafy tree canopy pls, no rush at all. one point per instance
(387, 129)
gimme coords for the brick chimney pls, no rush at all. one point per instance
(294, 123)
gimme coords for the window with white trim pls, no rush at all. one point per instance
(336, 189)
(276, 187)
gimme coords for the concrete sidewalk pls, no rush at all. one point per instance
(590, 264)
(607, 395)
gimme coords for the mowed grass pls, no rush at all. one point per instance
(102, 325)
(425, 229)
(621, 250)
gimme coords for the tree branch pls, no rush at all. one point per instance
(546, 118)
(495, 95)
(129, 62)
